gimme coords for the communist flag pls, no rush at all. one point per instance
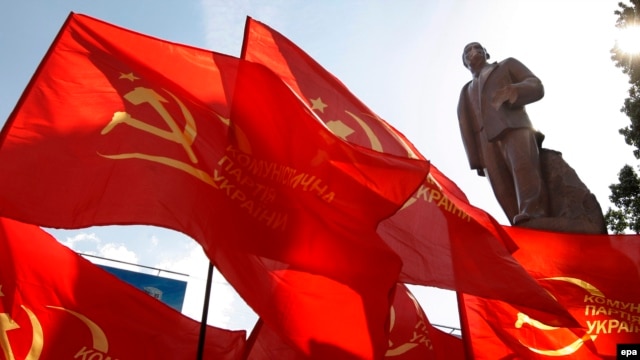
(117, 127)
(442, 239)
(596, 277)
(56, 305)
(411, 336)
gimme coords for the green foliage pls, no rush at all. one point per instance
(629, 16)
(625, 197)
(626, 194)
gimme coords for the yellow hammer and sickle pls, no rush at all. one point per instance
(403, 348)
(574, 346)
(186, 137)
(37, 338)
(340, 129)
(100, 341)
(142, 95)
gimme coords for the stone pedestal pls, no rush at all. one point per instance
(573, 207)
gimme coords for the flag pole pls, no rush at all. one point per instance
(464, 326)
(205, 312)
(252, 339)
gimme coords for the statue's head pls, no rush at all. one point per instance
(469, 49)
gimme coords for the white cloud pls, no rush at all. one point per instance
(88, 243)
(193, 261)
(72, 242)
(154, 240)
(118, 252)
(226, 309)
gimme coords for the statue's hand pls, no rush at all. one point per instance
(507, 93)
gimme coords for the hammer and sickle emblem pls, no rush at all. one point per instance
(422, 338)
(184, 137)
(142, 95)
(570, 348)
(99, 338)
(400, 349)
(341, 129)
(37, 339)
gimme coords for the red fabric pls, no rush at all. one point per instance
(596, 277)
(265, 344)
(64, 307)
(442, 240)
(411, 336)
(330, 99)
(120, 128)
(321, 317)
(447, 346)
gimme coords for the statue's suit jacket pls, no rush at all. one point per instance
(474, 119)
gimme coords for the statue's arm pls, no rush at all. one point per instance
(524, 89)
(527, 86)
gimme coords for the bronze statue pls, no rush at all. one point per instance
(498, 136)
(535, 187)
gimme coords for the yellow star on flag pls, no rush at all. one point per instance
(129, 76)
(317, 104)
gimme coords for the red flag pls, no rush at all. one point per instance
(321, 317)
(411, 336)
(120, 128)
(265, 344)
(443, 240)
(447, 345)
(64, 307)
(596, 277)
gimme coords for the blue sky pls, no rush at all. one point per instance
(402, 58)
